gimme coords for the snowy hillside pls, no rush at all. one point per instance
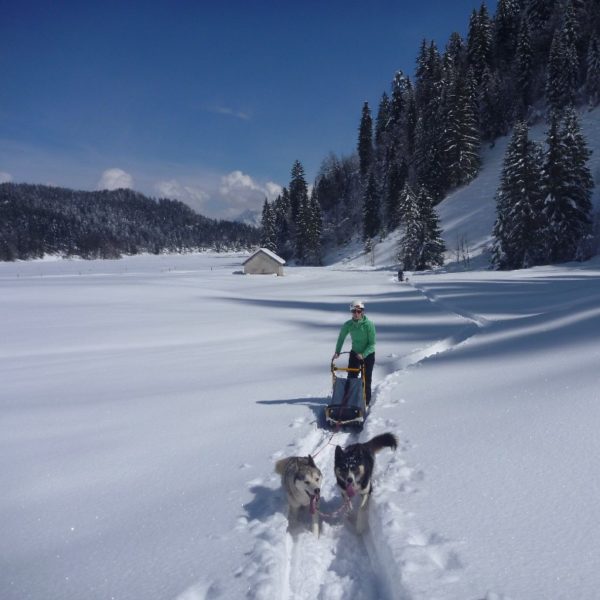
(467, 215)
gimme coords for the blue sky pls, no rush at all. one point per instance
(208, 102)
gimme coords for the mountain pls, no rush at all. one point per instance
(36, 220)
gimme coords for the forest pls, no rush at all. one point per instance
(36, 220)
(532, 61)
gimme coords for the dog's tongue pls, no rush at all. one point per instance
(350, 490)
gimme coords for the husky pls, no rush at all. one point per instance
(301, 480)
(354, 470)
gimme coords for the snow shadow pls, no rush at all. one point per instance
(266, 502)
(316, 405)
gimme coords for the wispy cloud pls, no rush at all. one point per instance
(230, 112)
(5, 177)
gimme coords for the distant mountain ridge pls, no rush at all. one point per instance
(36, 220)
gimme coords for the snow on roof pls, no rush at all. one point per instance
(268, 253)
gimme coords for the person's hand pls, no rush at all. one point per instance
(359, 356)
(335, 355)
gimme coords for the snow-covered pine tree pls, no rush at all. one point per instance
(570, 35)
(314, 226)
(556, 79)
(365, 142)
(303, 236)
(298, 189)
(568, 183)
(506, 32)
(298, 194)
(479, 42)
(456, 52)
(461, 134)
(524, 69)
(401, 87)
(421, 245)
(282, 212)
(432, 249)
(428, 159)
(592, 79)
(519, 227)
(371, 204)
(396, 178)
(492, 109)
(268, 237)
(409, 244)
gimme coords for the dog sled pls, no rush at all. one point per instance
(348, 406)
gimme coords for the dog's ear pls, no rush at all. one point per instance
(311, 462)
(338, 452)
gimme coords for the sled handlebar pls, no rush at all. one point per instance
(346, 369)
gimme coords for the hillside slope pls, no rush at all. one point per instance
(467, 215)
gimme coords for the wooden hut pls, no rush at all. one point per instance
(264, 262)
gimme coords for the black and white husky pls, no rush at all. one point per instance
(354, 470)
(301, 480)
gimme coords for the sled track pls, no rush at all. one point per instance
(340, 564)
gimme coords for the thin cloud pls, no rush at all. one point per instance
(230, 112)
(5, 177)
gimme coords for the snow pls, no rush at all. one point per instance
(144, 402)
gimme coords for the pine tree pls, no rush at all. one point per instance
(408, 248)
(298, 189)
(506, 31)
(592, 80)
(556, 81)
(524, 68)
(432, 245)
(372, 222)
(456, 52)
(461, 135)
(282, 214)
(365, 141)
(396, 180)
(519, 226)
(479, 42)
(268, 238)
(401, 88)
(314, 226)
(303, 237)
(421, 245)
(568, 182)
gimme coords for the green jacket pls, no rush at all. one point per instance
(362, 333)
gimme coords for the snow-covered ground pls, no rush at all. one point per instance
(144, 402)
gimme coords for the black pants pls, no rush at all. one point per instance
(354, 363)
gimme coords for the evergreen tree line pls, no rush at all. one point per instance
(36, 220)
(531, 58)
(291, 225)
(543, 203)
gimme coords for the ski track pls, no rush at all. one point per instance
(339, 563)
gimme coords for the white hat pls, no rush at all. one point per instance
(357, 304)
